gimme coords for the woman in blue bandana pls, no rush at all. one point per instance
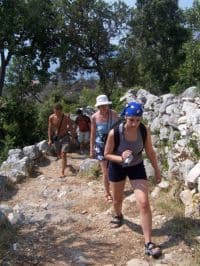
(126, 161)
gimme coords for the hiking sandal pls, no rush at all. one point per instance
(117, 221)
(153, 250)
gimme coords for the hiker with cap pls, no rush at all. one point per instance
(82, 123)
(101, 122)
(123, 149)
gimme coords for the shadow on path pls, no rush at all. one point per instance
(178, 229)
(49, 244)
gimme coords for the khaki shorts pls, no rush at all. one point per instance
(83, 136)
(62, 144)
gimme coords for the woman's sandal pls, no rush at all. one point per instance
(117, 221)
(109, 198)
(62, 176)
(153, 250)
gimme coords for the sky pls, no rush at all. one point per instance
(182, 3)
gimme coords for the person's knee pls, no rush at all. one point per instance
(144, 205)
(105, 176)
(63, 155)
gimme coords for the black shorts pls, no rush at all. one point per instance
(118, 173)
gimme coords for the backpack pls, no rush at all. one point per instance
(143, 132)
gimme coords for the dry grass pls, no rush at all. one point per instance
(7, 234)
(168, 205)
(181, 227)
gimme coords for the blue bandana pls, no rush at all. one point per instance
(132, 109)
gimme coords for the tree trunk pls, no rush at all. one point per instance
(103, 82)
(2, 77)
(4, 63)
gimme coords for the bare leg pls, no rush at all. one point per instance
(106, 182)
(82, 147)
(141, 193)
(117, 193)
(87, 147)
(64, 162)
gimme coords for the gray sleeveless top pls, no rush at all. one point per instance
(135, 146)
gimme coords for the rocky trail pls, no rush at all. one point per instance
(66, 222)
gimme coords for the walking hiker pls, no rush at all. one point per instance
(59, 130)
(124, 151)
(101, 122)
(83, 130)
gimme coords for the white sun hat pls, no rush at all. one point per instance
(102, 100)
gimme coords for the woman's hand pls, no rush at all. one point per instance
(125, 154)
(158, 176)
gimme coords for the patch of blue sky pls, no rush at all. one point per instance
(182, 3)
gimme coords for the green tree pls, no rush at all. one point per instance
(89, 27)
(193, 17)
(129, 74)
(28, 28)
(189, 71)
(18, 122)
(21, 81)
(156, 38)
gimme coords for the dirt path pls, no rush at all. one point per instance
(67, 223)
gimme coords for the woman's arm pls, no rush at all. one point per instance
(152, 156)
(92, 135)
(109, 147)
(50, 130)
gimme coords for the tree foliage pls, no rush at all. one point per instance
(89, 26)
(28, 28)
(157, 35)
(18, 122)
(189, 71)
(193, 17)
(154, 45)
(20, 79)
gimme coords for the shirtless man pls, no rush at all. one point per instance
(60, 125)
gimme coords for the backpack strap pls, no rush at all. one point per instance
(116, 138)
(60, 124)
(117, 135)
(143, 131)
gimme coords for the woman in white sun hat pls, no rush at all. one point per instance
(101, 122)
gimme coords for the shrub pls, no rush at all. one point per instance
(18, 123)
